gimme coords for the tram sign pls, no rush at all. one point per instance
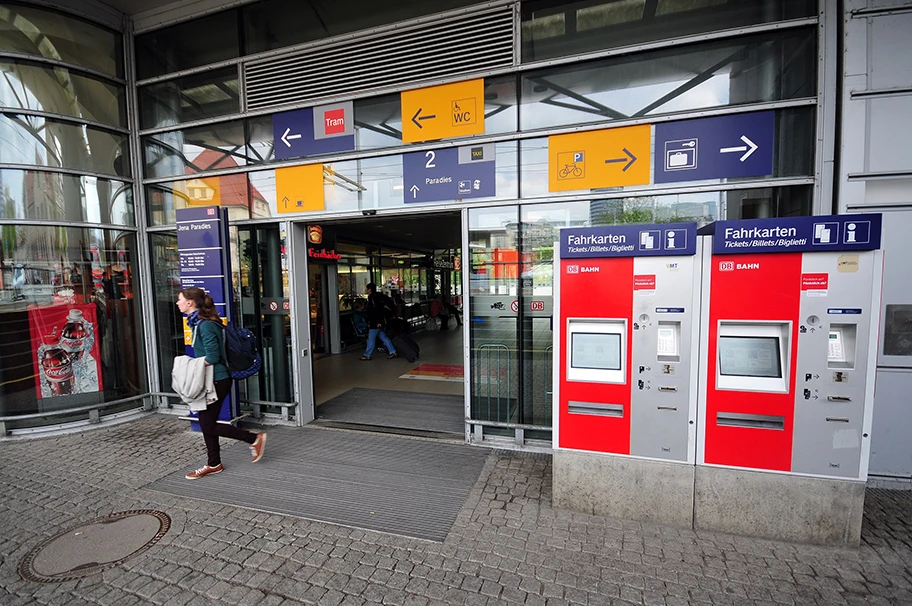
(438, 112)
(325, 129)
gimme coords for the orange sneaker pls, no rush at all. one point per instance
(258, 446)
(205, 470)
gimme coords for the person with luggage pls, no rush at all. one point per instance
(377, 306)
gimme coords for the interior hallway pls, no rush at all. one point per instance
(334, 375)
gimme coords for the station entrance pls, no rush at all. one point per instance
(314, 340)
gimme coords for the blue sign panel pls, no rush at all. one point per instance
(313, 131)
(203, 264)
(678, 239)
(798, 234)
(721, 147)
(449, 174)
(844, 311)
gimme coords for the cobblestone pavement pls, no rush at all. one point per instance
(508, 545)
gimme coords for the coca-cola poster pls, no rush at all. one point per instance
(65, 346)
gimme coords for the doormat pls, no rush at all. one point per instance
(436, 372)
(403, 486)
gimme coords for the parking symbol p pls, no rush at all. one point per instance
(578, 157)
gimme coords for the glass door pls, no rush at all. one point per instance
(302, 320)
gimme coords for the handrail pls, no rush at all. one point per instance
(67, 411)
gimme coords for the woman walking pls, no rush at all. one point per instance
(208, 343)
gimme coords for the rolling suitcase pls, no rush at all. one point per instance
(406, 347)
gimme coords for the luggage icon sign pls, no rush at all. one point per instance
(681, 154)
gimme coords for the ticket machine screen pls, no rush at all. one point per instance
(601, 351)
(749, 357)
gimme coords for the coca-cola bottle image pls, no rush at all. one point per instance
(57, 366)
(74, 335)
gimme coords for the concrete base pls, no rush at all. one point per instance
(623, 487)
(778, 506)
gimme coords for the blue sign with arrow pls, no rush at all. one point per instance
(453, 173)
(326, 129)
(721, 147)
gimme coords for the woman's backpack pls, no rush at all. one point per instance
(240, 352)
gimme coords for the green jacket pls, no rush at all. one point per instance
(207, 343)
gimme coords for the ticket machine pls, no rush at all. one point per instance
(788, 348)
(625, 363)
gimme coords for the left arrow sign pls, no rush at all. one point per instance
(418, 117)
(286, 137)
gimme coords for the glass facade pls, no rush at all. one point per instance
(71, 305)
(71, 234)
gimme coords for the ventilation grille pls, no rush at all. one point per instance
(434, 49)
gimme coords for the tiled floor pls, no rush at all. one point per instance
(334, 375)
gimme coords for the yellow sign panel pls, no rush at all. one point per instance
(439, 112)
(300, 188)
(613, 157)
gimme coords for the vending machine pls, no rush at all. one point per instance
(626, 326)
(788, 348)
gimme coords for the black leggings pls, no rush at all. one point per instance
(212, 429)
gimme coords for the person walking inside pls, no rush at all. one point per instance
(208, 343)
(377, 304)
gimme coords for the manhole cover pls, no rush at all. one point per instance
(94, 547)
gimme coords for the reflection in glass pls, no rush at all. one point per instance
(557, 29)
(494, 283)
(60, 36)
(189, 44)
(210, 94)
(41, 141)
(195, 150)
(274, 24)
(70, 308)
(26, 194)
(229, 191)
(715, 74)
(57, 90)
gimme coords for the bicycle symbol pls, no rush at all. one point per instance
(570, 170)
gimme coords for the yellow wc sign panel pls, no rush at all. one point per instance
(440, 112)
(611, 157)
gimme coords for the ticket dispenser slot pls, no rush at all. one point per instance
(753, 356)
(841, 346)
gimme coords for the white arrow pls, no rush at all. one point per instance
(741, 148)
(414, 189)
(286, 136)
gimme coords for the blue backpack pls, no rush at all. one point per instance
(240, 352)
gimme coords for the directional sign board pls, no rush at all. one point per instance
(299, 188)
(612, 157)
(453, 173)
(439, 112)
(326, 129)
(721, 147)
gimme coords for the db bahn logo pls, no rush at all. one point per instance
(573, 269)
(726, 266)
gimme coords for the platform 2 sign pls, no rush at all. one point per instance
(721, 147)
(670, 239)
(611, 157)
(798, 234)
(453, 173)
(440, 112)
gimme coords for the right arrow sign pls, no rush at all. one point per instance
(721, 147)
